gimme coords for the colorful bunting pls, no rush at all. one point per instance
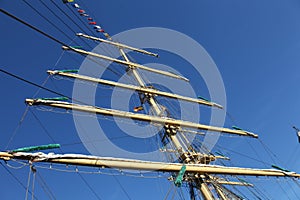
(90, 19)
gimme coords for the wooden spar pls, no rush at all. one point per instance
(128, 63)
(205, 191)
(130, 164)
(215, 179)
(135, 116)
(220, 193)
(222, 182)
(117, 44)
(134, 87)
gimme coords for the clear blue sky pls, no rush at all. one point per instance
(255, 45)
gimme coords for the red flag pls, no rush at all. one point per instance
(92, 23)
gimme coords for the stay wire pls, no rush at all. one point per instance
(256, 153)
(59, 18)
(43, 84)
(89, 186)
(45, 18)
(70, 18)
(86, 8)
(268, 150)
(292, 188)
(33, 182)
(86, 183)
(43, 127)
(32, 83)
(17, 128)
(107, 50)
(32, 27)
(125, 192)
(283, 190)
(170, 189)
(61, 151)
(18, 180)
(28, 183)
(75, 14)
(243, 155)
(45, 187)
(38, 30)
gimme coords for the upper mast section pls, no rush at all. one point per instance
(127, 63)
(117, 44)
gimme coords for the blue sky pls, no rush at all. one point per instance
(254, 44)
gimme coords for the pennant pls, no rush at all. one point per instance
(75, 5)
(67, 1)
(97, 27)
(90, 19)
(106, 35)
(92, 23)
(139, 108)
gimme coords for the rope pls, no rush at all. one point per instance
(16, 178)
(45, 187)
(32, 27)
(32, 83)
(33, 181)
(87, 184)
(43, 127)
(28, 183)
(17, 128)
(63, 23)
(125, 192)
(171, 187)
(45, 18)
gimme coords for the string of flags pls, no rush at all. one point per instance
(90, 20)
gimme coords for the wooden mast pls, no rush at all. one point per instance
(117, 44)
(128, 63)
(197, 172)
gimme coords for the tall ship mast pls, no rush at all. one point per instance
(162, 139)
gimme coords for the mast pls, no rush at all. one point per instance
(172, 127)
(199, 173)
(117, 44)
(126, 63)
